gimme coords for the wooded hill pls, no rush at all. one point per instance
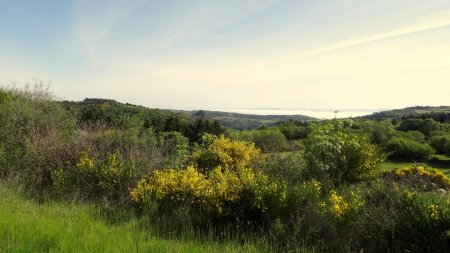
(247, 121)
(438, 113)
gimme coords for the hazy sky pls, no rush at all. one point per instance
(234, 53)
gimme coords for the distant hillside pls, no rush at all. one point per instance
(439, 113)
(246, 121)
(118, 114)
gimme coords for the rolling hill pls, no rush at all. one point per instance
(439, 113)
(246, 121)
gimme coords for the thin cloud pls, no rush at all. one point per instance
(440, 20)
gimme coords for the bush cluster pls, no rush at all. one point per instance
(219, 192)
(108, 179)
(220, 151)
(419, 177)
(402, 148)
(334, 152)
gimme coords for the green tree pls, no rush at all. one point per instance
(175, 147)
(402, 148)
(333, 152)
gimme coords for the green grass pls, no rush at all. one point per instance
(26, 226)
(440, 162)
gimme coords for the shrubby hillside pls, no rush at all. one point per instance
(292, 186)
(112, 112)
(438, 113)
(241, 121)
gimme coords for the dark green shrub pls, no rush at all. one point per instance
(426, 126)
(266, 139)
(36, 135)
(422, 224)
(175, 148)
(288, 167)
(439, 143)
(270, 140)
(292, 131)
(447, 149)
(398, 219)
(379, 132)
(401, 148)
(333, 152)
(411, 135)
(134, 143)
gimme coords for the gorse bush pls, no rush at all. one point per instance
(341, 207)
(108, 179)
(396, 218)
(419, 177)
(219, 192)
(333, 151)
(423, 224)
(220, 151)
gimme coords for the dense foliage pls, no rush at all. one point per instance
(332, 152)
(113, 112)
(409, 149)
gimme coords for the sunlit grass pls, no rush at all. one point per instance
(26, 226)
(440, 162)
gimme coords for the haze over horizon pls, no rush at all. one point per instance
(344, 55)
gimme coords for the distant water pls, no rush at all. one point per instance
(316, 113)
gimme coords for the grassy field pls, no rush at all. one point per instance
(26, 226)
(440, 162)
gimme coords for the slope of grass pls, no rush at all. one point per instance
(440, 162)
(26, 226)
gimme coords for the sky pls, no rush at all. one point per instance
(234, 54)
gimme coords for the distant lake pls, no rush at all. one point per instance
(316, 113)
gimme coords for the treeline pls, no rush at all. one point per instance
(443, 117)
(410, 112)
(248, 121)
(116, 114)
(408, 139)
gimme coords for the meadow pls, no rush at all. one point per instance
(28, 226)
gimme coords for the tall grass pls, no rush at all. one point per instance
(26, 226)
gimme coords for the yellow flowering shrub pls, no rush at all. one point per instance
(227, 154)
(96, 178)
(423, 220)
(306, 192)
(215, 190)
(419, 177)
(433, 209)
(339, 206)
